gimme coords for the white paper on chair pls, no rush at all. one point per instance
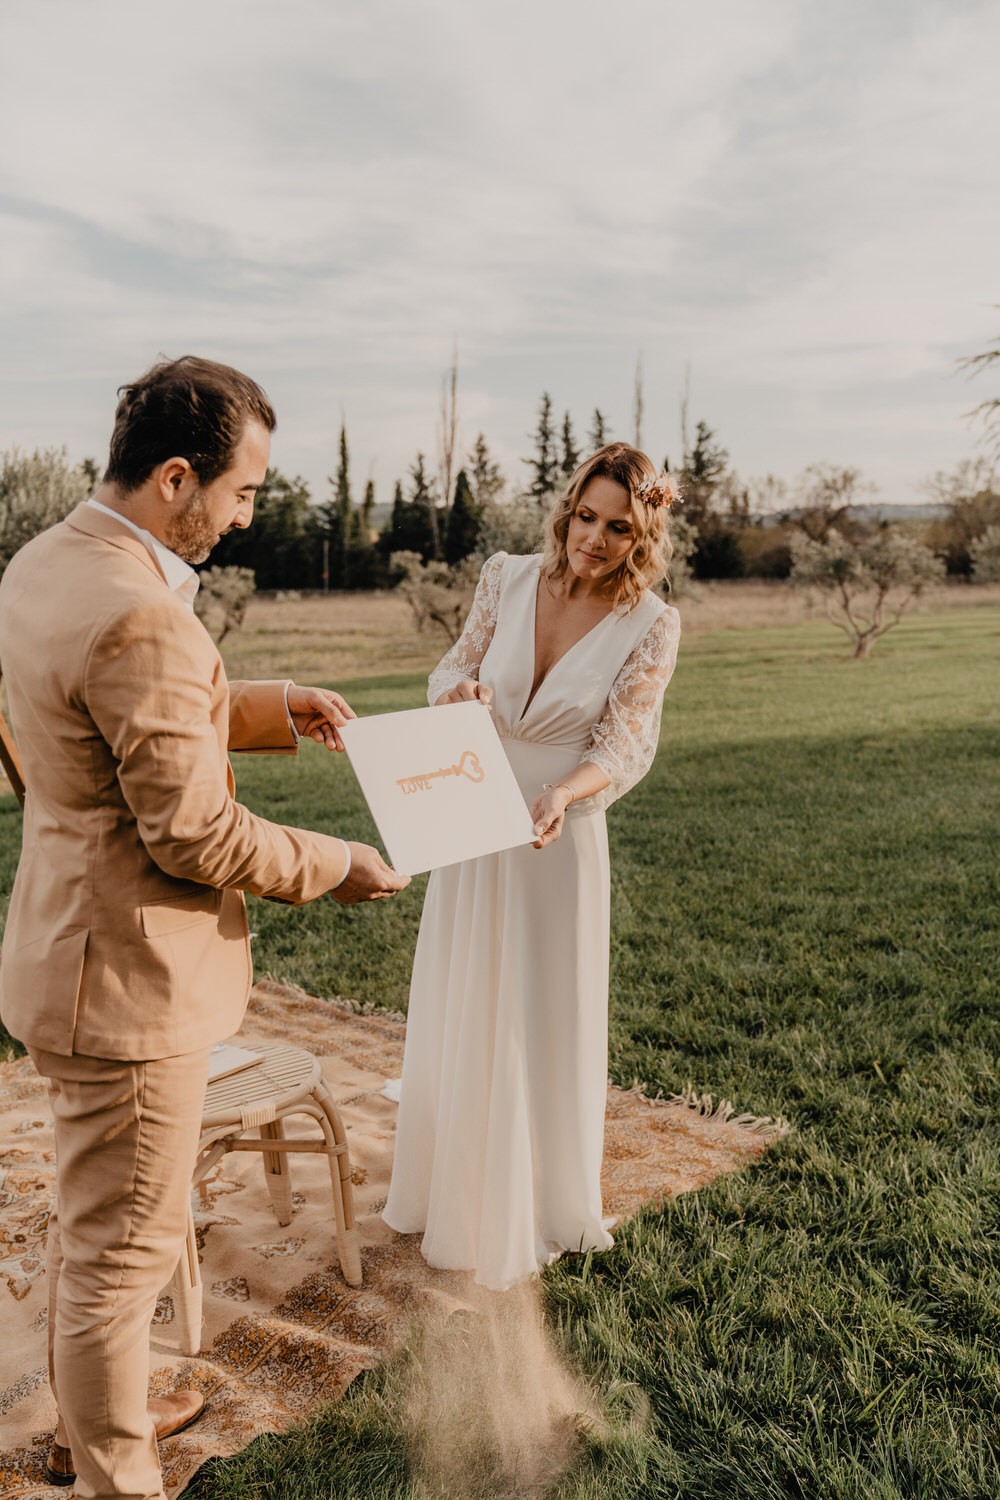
(225, 1058)
(438, 784)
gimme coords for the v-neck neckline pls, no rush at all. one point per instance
(559, 659)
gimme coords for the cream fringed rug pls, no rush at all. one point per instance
(283, 1331)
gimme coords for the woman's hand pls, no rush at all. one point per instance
(467, 691)
(548, 813)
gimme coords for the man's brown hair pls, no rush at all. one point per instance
(183, 408)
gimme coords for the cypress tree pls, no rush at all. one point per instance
(485, 477)
(365, 518)
(570, 453)
(598, 434)
(462, 530)
(411, 527)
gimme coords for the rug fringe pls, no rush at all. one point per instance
(284, 988)
(704, 1105)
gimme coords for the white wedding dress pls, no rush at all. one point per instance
(501, 1117)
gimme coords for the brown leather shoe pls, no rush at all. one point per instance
(170, 1414)
(59, 1465)
(173, 1413)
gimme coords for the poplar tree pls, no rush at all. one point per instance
(337, 518)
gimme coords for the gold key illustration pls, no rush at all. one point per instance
(468, 766)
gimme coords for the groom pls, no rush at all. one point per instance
(126, 954)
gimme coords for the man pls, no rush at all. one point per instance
(126, 954)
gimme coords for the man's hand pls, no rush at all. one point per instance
(369, 878)
(466, 691)
(318, 713)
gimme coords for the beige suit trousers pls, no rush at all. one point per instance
(126, 1135)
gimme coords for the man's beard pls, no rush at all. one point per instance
(190, 533)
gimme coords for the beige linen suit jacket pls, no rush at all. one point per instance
(127, 932)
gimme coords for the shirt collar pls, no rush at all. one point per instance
(181, 578)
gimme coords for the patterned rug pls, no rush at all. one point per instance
(283, 1331)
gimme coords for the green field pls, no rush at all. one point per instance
(805, 922)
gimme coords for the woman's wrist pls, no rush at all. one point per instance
(566, 793)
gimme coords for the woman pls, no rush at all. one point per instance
(501, 1119)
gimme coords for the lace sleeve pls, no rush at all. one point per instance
(463, 659)
(624, 741)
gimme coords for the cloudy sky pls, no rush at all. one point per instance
(795, 199)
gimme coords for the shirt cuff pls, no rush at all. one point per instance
(291, 721)
(347, 851)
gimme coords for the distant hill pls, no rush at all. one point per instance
(899, 512)
(875, 512)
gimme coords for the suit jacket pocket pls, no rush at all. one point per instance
(178, 912)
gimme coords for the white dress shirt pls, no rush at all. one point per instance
(181, 578)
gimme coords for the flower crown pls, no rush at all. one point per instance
(660, 489)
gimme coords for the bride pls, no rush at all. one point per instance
(501, 1118)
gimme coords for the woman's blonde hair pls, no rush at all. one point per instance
(646, 561)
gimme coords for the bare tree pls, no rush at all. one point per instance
(685, 410)
(988, 412)
(867, 585)
(448, 432)
(825, 496)
(637, 402)
(768, 495)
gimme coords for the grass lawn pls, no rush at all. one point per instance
(804, 921)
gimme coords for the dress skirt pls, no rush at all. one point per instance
(501, 1124)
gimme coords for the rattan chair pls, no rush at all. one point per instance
(288, 1082)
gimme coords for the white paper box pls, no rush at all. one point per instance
(438, 784)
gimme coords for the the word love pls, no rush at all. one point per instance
(468, 766)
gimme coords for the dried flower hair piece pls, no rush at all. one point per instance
(660, 489)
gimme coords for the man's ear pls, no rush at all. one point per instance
(175, 480)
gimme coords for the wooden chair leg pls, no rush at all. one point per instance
(348, 1234)
(277, 1174)
(187, 1293)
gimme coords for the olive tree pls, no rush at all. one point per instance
(684, 541)
(36, 490)
(436, 593)
(222, 599)
(516, 526)
(985, 555)
(867, 584)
